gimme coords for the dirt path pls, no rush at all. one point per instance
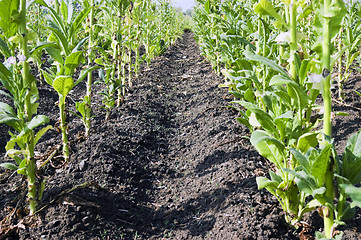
(171, 163)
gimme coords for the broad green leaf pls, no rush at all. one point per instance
(313, 204)
(5, 108)
(55, 53)
(307, 11)
(271, 186)
(348, 212)
(9, 17)
(49, 77)
(72, 62)
(80, 44)
(304, 181)
(13, 152)
(61, 36)
(306, 141)
(77, 24)
(254, 57)
(269, 147)
(22, 167)
(207, 5)
(63, 85)
(35, 122)
(295, 91)
(64, 10)
(9, 117)
(354, 144)
(43, 45)
(265, 7)
(275, 177)
(262, 117)
(18, 160)
(80, 106)
(249, 95)
(319, 192)
(320, 165)
(351, 159)
(353, 192)
(302, 160)
(9, 166)
(286, 115)
(304, 69)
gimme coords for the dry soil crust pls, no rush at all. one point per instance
(172, 162)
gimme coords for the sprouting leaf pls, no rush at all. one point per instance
(84, 74)
(63, 85)
(41, 132)
(269, 147)
(9, 166)
(35, 122)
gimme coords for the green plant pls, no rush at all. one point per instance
(23, 91)
(275, 72)
(62, 82)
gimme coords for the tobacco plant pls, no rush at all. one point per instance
(276, 71)
(23, 91)
(62, 82)
(67, 55)
(349, 39)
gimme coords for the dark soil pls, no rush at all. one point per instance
(172, 162)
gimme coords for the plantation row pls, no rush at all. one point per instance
(67, 42)
(278, 57)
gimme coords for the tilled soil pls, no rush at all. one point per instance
(171, 163)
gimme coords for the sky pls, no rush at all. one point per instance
(184, 4)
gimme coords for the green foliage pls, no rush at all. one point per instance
(276, 59)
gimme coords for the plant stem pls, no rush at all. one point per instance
(293, 38)
(340, 66)
(327, 126)
(27, 83)
(63, 127)
(90, 77)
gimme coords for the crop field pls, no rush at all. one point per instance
(126, 120)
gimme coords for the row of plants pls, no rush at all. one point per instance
(278, 58)
(66, 42)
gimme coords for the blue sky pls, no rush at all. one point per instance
(184, 4)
